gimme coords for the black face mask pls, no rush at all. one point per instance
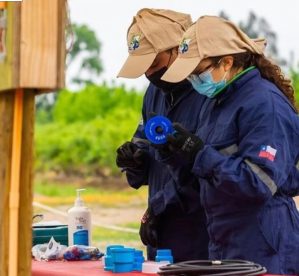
(155, 79)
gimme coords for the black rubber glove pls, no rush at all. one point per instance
(130, 156)
(148, 229)
(184, 143)
(163, 149)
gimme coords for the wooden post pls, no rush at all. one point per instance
(34, 63)
(26, 185)
(21, 257)
(14, 195)
(6, 115)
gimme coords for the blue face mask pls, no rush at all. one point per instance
(205, 85)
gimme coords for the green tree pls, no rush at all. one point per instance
(44, 106)
(86, 130)
(84, 54)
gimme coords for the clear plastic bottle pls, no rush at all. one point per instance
(79, 223)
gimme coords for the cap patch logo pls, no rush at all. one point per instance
(184, 45)
(134, 44)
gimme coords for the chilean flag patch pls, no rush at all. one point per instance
(267, 152)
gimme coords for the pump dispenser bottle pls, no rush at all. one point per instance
(79, 222)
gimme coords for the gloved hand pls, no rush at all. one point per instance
(184, 143)
(130, 156)
(163, 150)
(148, 228)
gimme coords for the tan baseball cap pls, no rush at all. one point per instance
(210, 36)
(151, 32)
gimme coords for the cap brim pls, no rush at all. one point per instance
(261, 43)
(180, 69)
(135, 66)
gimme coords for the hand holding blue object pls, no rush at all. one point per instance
(185, 143)
(172, 138)
(157, 129)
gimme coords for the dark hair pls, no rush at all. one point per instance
(268, 70)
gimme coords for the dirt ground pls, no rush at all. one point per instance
(109, 216)
(105, 182)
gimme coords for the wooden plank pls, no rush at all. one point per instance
(39, 40)
(26, 185)
(35, 42)
(6, 115)
(61, 46)
(9, 67)
(14, 193)
(17, 42)
(26, 176)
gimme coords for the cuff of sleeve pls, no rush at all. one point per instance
(135, 177)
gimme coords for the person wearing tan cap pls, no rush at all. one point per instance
(246, 151)
(174, 218)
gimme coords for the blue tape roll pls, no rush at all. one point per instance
(157, 129)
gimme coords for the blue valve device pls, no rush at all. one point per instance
(120, 259)
(157, 129)
(164, 255)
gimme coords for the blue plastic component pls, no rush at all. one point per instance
(123, 255)
(157, 129)
(138, 260)
(164, 255)
(122, 267)
(109, 247)
(108, 258)
(120, 259)
(81, 237)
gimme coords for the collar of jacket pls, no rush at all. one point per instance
(236, 85)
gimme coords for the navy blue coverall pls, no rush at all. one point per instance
(248, 173)
(173, 193)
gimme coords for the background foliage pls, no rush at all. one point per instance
(82, 130)
(77, 132)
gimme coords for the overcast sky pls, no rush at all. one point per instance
(110, 20)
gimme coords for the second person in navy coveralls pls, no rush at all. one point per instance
(175, 218)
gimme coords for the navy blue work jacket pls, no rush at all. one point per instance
(248, 173)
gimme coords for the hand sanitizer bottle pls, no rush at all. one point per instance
(79, 223)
